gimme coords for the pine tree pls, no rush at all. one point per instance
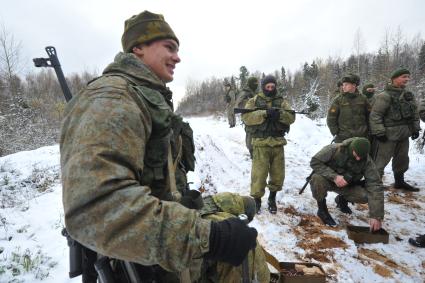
(421, 60)
(243, 75)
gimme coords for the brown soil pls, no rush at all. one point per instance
(325, 242)
(362, 206)
(395, 199)
(321, 256)
(291, 210)
(383, 271)
(383, 259)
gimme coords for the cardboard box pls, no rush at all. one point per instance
(362, 235)
(301, 272)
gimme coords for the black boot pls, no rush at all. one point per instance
(401, 184)
(258, 205)
(342, 204)
(418, 241)
(272, 203)
(324, 214)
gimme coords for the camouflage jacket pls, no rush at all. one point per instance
(243, 97)
(113, 141)
(256, 119)
(394, 114)
(335, 159)
(422, 109)
(348, 116)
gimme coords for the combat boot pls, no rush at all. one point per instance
(323, 213)
(272, 203)
(418, 241)
(342, 204)
(258, 205)
(401, 184)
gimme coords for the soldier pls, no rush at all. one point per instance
(394, 118)
(340, 168)
(268, 128)
(369, 91)
(420, 240)
(247, 93)
(119, 147)
(230, 97)
(349, 111)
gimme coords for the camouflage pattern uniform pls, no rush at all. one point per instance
(348, 116)
(422, 109)
(335, 159)
(267, 141)
(241, 101)
(369, 95)
(394, 115)
(222, 206)
(114, 145)
(230, 107)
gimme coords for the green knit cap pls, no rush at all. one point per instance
(361, 146)
(252, 83)
(399, 72)
(144, 28)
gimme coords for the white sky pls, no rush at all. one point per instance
(216, 37)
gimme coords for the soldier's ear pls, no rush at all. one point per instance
(138, 50)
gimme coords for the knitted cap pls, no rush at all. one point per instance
(268, 79)
(399, 72)
(361, 146)
(144, 28)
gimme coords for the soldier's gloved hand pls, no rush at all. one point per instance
(230, 241)
(415, 135)
(382, 138)
(273, 114)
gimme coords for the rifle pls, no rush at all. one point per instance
(307, 180)
(245, 110)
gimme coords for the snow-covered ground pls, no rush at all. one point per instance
(31, 217)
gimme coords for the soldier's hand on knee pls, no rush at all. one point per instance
(375, 224)
(340, 182)
(231, 240)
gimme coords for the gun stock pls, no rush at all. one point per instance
(245, 110)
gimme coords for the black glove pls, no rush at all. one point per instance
(382, 138)
(415, 135)
(231, 240)
(273, 114)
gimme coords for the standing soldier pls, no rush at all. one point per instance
(247, 93)
(349, 111)
(118, 154)
(369, 91)
(340, 168)
(268, 127)
(394, 118)
(230, 97)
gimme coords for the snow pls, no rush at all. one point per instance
(31, 210)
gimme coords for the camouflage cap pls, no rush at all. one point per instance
(351, 78)
(235, 204)
(144, 28)
(361, 146)
(399, 72)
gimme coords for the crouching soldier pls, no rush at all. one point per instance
(347, 169)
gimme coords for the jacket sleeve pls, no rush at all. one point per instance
(416, 122)
(103, 143)
(255, 117)
(318, 162)
(332, 118)
(376, 118)
(374, 190)
(286, 117)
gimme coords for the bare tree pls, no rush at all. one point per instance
(358, 46)
(10, 60)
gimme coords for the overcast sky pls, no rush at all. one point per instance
(216, 36)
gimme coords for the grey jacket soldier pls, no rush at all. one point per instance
(118, 159)
(348, 115)
(230, 97)
(394, 118)
(246, 94)
(347, 169)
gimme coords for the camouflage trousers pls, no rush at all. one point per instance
(398, 151)
(231, 116)
(248, 142)
(267, 161)
(320, 187)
